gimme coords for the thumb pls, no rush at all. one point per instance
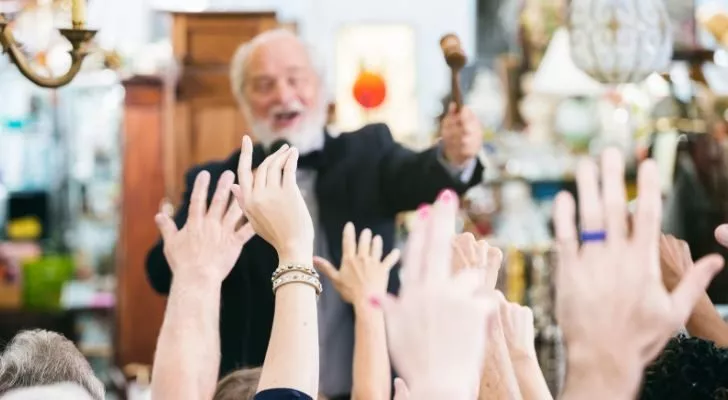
(245, 232)
(166, 226)
(693, 285)
(401, 391)
(325, 267)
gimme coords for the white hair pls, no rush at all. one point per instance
(241, 58)
(39, 358)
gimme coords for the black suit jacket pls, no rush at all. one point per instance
(365, 177)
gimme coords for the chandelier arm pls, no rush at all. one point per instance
(77, 53)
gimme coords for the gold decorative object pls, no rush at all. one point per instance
(77, 36)
(715, 22)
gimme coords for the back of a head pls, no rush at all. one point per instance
(41, 358)
(688, 368)
(238, 385)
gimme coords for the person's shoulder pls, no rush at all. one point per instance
(215, 168)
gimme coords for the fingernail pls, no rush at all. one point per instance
(423, 210)
(446, 196)
(375, 302)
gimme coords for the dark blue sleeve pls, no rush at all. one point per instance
(281, 394)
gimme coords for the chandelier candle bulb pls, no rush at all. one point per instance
(78, 14)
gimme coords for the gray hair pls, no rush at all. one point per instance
(39, 358)
(241, 58)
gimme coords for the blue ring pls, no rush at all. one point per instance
(593, 236)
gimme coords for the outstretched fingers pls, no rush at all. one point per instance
(693, 285)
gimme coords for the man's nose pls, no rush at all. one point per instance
(284, 93)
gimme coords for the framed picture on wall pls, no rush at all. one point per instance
(376, 77)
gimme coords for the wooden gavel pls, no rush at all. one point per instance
(456, 60)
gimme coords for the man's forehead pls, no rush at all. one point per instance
(284, 54)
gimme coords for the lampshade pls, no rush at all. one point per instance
(620, 41)
(557, 74)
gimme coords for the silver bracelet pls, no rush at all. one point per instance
(293, 267)
(298, 277)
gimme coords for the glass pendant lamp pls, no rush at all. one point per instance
(620, 41)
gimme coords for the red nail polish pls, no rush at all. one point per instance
(423, 211)
(375, 302)
(446, 196)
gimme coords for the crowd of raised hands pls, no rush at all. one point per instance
(449, 334)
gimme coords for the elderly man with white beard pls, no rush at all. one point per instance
(364, 177)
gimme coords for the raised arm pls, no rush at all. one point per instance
(410, 178)
(201, 255)
(363, 273)
(520, 338)
(278, 214)
(705, 322)
(158, 270)
(618, 273)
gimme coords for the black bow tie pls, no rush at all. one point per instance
(311, 161)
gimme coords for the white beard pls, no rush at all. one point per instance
(307, 137)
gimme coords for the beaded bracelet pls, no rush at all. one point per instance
(290, 267)
(297, 277)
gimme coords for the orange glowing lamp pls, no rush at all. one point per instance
(370, 89)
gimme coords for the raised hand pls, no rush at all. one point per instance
(675, 260)
(363, 272)
(518, 330)
(210, 242)
(610, 297)
(435, 327)
(469, 253)
(520, 339)
(462, 135)
(274, 204)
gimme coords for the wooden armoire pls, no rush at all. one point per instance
(203, 120)
(172, 122)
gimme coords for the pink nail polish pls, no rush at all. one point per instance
(375, 302)
(446, 196)
(423, 211)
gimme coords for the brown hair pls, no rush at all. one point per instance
(238, 385)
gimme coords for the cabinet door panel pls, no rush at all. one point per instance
(215, 131)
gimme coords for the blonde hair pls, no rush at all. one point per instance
(238, 385)
(241, 58)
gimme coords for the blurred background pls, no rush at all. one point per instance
(85, 166)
